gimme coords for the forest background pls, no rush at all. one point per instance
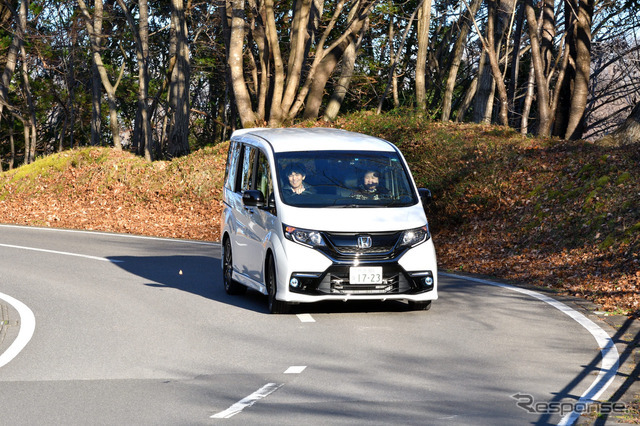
(522, 116)
(165, 77)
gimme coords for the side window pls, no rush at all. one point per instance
(263, 176)
(233, 160)
(248, 161)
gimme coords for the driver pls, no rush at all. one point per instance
(296, 174)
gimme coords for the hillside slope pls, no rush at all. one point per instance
(548, 213)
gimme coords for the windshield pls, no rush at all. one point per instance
(344, 179)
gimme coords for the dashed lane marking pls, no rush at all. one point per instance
(306, 318)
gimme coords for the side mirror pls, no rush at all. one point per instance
(253, 198)
(425, 195)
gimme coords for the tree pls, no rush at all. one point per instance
(92, 24)
(142, 131)
(424, 20)
(285, 79)
(464, 25)
(628, 133)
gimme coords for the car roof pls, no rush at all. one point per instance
(314, 139)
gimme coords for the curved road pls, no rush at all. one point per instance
(132, 330)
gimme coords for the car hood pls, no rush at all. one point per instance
(360, 219)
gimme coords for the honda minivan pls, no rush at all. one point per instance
(318, 214)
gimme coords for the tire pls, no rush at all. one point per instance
(275, 306)
(230, 286)
(420, 306)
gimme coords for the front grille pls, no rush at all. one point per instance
(345, 245)
(336, 281)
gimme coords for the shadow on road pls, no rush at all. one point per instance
(202, 275)
(629, 336)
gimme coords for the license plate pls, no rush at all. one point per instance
(365, 275)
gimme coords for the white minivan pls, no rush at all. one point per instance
(316, 214)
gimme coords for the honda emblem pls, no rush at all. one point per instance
(364, 242)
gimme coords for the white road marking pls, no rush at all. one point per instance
(64, 253)
(609, 352)
(261, 393)
(139, 237)
(27, 327)
(305, 318)
(295, 369)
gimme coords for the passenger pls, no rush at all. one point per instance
(296, 174)
(372, 187)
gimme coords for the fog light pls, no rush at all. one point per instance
(428, 281)
(294, 282)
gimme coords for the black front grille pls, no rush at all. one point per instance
(342, 245)
(336, 281)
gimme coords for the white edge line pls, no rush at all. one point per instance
(261, 393)
(64, 253)
(608, 350)
(27, 327)
(110, 234)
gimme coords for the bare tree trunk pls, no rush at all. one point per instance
(548, 33)
(528, 100)
(466, 101)
(458, 50)
(483, 102)
(396, 59)
(96, 84)
(494, 52)
(424, 21)
(106, 83)
(11, 62)
(296, 56)
(142, 130)
(32, 135)
(285, 88)
(12, 142)
(628, 133)
(515, 65)
(491, 46)
(542, 86)
(236, 46)
(277, 113)
(580, 93)
(342, 87)
(178, 142)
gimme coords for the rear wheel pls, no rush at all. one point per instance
(230, 286)
(420, 306)
(275, 306)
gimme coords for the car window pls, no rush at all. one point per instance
(247, 173)
(347, 179)
(233, 160)
(263, 176)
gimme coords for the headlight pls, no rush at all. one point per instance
(413, 237)
(303, 236)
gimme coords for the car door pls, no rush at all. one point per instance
(252, 222)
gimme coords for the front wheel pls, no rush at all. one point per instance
(275, 306)
(230, 286)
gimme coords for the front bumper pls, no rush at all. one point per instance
(410, 275)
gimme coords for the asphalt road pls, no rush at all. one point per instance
(130, 330)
